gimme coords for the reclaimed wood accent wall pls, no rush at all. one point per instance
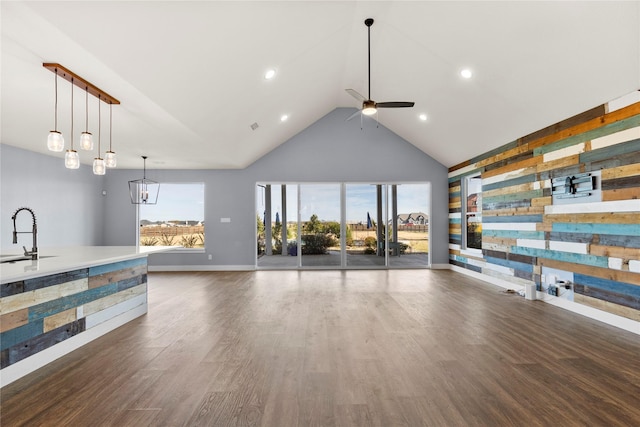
(38, 313)
(523, 231)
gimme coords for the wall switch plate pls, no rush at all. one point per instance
(210, 257)
(225, 219)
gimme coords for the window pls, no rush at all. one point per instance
(177, 219)
(473, 212)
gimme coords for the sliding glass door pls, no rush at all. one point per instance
(277, 225)
(342, 225)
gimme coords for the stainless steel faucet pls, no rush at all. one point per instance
(34, 250)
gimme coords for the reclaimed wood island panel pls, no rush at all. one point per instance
(54, 305)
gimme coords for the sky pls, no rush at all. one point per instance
(324, 201)
(184, 201)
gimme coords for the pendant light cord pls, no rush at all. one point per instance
(55, 116)
(71, 113)
(86, 109)
(99, 123)
(110, 125)
(369, 54)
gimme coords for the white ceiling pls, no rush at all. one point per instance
(189, 75)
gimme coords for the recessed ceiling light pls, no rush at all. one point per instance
(284, 118)
(466, 73)
(423, 117)
(269, 74)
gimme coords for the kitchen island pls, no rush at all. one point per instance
(67, 298)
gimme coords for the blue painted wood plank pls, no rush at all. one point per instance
(514, 234)
(41, 342)
(454, 194)
(21, 333)
(55, 279)
(455, 220)
(593, 228)
(50, 308)
(510, 182)
(512, 218)
(622, 241)
(611, 151)
(607, 285)
(107, 268)
(513, 197)
(528, 268)
(585, 259)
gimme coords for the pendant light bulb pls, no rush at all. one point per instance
(71, 159)
(55, 141)
(99, 167)
(110, 160)
(86, 139)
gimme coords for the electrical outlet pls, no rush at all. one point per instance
(210, 257)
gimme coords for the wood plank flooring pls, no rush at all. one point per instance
(338, 348)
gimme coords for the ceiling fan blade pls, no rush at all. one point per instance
(356, 95)
(394, 104)
(353, 115)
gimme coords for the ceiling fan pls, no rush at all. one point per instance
(369, 106)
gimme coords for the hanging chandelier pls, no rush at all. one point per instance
(55, 141)
(144, 191)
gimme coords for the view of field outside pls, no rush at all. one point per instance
(320, 213)
(177, 219)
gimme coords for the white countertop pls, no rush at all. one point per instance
(59, 260)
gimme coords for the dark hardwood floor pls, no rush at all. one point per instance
(345, 348)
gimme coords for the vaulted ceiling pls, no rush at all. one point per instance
(190, 75)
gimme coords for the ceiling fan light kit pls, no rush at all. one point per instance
(369, 106)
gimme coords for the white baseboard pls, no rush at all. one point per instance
(584, 310)
(201, 267)
(26, 366)
(440, 266)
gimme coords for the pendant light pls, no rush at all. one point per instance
(71, 158)
(144, 191)
(86, 139)
(110, 156)
(98, 163)
(55, 141)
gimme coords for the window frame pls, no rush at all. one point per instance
(178, 249)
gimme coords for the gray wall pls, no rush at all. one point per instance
(71, 208)
(330, 150)
(68, 203)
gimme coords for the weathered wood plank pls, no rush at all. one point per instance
(607, 306)
(106, 268)
(615, 251)
(59, 319)
(513, 234)
(40, 342)
(608, 295)
(542, 201)
(14, 319)
(572, 237)
(599, 217)
(619, 240)
(520, 188)
(524, 210)
(504, 155)
(584, 259)
(621, 171)
(50, 308)
(20, 334)
(488, 186)
(621, 194)
(511, 218)
(550, 131)
(601, 272)
(42, 295)
(117, 275)
(619, 183)
(597, 228)
(111, 300)
(529, 166)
